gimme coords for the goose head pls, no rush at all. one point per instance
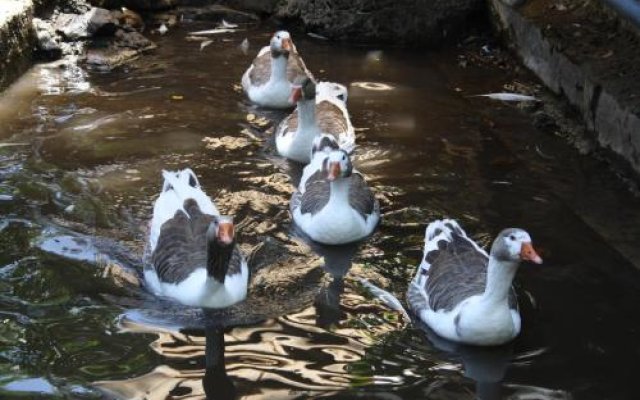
(281, 44)
(304, 92)
(337, 165)
(512, 246)
(220, 245)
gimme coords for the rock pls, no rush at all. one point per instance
(96, 21)
(389, 21)
(267, 7)
(124, 47)
(216, 13)
(48, 43)
(140, 5)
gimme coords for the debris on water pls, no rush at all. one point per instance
(205, 44)
(228, 25)
(69, 209)
(260, 122)
(249, 134)
(542, 154)
(317, 36)
(227, 142)
(507, 96)
(163, 29)
(196, 38)
(177, 97)
(374, 55)
(3, 145)
(214, 31)
(244, 46)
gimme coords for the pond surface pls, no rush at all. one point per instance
(80, 166)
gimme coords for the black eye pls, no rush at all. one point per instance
(341, 97)
(512, 237)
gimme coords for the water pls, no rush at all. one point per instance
(78, 183)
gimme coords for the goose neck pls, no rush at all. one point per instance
(339, 191)
(218, 258)
(278, 68)
(500, 275)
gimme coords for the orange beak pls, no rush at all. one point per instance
(225, 232)
(334, 171)
(286, 44)
(527, 253)
(296, 94)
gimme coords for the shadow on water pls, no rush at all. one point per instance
(79, 171)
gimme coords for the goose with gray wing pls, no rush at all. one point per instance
(321, 110)
(333, 204)
(463, 293)
(267, 81)
(192, 255)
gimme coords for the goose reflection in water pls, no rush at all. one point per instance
(217, 385)
(337, 262)
(487, 366)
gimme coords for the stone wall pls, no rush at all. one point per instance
(422, 22)
(584, 53)
(16, 39)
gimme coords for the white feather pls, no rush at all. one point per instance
(507, 97)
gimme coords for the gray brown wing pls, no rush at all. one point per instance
(316, 194)
(361, 198)
(458, 271)
(182, 245)
(296, 69)
(330, 118)
(261, 71)
(289, 124)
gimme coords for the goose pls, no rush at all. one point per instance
(464, 294)
(333, 204)
(191, 254)
(267, 81)
(321, 109)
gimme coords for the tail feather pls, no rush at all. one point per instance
(387, 298)
(178, 187)
(438, 235)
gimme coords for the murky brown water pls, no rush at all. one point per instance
(78, 182)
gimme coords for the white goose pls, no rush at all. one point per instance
(333, 204)
(268, 79)
(462, 293)
(321, 109)
(192, 256)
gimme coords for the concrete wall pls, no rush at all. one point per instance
(590, 59)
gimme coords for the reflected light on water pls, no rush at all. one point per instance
(375, 86)
(275, 354)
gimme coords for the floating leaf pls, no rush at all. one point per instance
(177, 97)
